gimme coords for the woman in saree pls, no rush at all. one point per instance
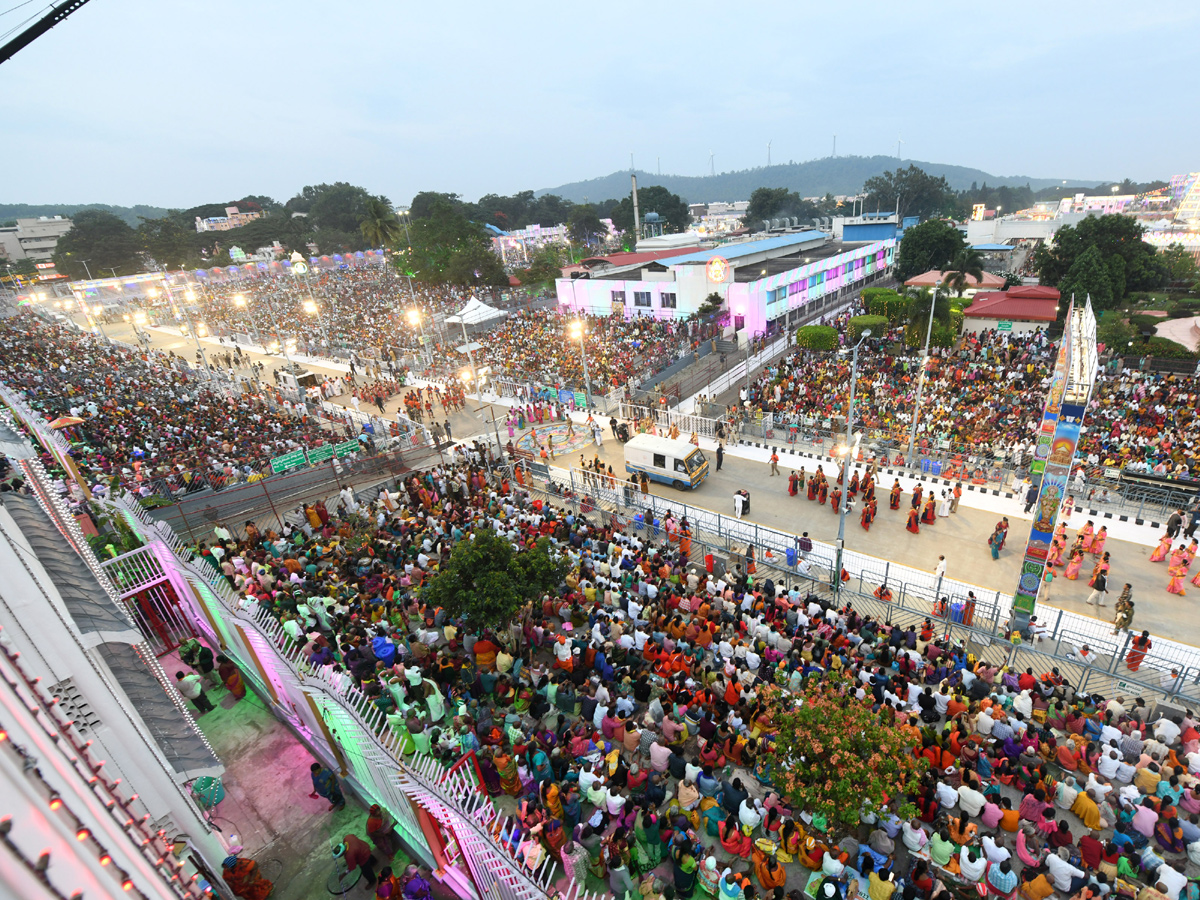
(510, 777)
(649, 840)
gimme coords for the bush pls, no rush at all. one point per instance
(956, 321)
(1143, 323)
(941, 336)
(1164, 349)
(885, 302)
(877, 324)
(817, 337)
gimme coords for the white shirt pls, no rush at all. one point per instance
(995, 854)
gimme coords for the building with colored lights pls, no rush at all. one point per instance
(767, 285)
(232, 219)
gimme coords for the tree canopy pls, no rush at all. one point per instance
(834, 756)
(447, 247)
(671, 207)
(910, 192)
(1088, 277)
(966, 265)
(930, 245)
(768, 203)
(1181, 265)
(101, 240)
(584, 225)
(486, 581)
(1140, 269)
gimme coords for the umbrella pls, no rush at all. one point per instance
(65, 421)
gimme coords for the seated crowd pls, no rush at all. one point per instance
(626, 714)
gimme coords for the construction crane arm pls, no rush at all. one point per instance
(38, 28)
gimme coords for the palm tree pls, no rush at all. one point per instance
(967, 262)
(380, 227)
(918, 308)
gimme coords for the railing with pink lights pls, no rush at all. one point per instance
(476, 835)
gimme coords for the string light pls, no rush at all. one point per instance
(55, 802)
(82, 834)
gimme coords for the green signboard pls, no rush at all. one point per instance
(320, 454)
(580, 400)
(288, 461)
(346, 448)
(1004, 325)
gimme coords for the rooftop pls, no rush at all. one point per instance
(1010, 305)
(794, 260)
(734, 252)
(933, 278)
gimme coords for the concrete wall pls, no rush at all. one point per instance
(978, 324)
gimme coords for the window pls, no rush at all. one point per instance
(660, 461)
(641, 298)
(618, 297)
(680, 467)
(668, 301)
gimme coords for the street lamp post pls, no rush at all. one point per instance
(310, 307)
(912, 434)
(415, 318)
(239, 300)
(845, 499)
(471, 357)
(577, 331)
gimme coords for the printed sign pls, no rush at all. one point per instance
(291, 460)
(345, 448)
(320, 454)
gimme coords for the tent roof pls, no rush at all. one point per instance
(475, 312)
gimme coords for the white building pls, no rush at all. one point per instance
(768, 284)
(35, 239)
(115, 745)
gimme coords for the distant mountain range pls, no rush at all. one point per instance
(131, 214)
(815, 178)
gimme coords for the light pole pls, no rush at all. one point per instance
(84, 263)
(239, 300)
(912, 434)
(471, 357)
(845, 499)
(310, 307)
(414, 319)
(577, 331)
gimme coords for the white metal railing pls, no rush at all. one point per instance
(371, 750)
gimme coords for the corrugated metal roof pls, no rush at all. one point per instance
(1003, 305)
(173, 731)
(91, 608)
(733, 252)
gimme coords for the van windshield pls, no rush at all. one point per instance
(695, 461)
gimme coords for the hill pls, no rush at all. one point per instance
(131, 214)
(815, 178)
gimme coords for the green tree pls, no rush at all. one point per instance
(1088, 276)
(545, 266)
(1115, 333)
(1181, 265)
(486, 581)
(918, 310)
(103, 241)
(584, 226)
(1112, 235)
(767, 203)
(966, 265)
(170, 241)
(447, 247)
(817, 337)
(671, 207)
(24, 266)
(910, 192)
(834, 756)
(379, 226)
(711, 308)
(930, 245)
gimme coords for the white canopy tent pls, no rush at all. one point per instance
(476, 312)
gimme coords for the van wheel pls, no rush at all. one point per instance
(677, 484)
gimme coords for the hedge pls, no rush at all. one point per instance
(817, 337)
(1142, 323)
(956, 321)
(877, 324)
(941, 336)
(885, 302)
(1164, 349)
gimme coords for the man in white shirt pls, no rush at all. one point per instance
(1061, 872)
(995, 849)
(971, 801)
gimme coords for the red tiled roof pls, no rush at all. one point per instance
(1034, 292)
(629, 259)
(933, 278)
(1004, 305)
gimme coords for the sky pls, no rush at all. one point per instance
(177, 104)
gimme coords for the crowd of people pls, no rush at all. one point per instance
(135, 418)
(624, 713)
(537, 345)
(984, 397)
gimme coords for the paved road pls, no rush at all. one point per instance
(961, 538)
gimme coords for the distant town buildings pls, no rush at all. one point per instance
(232, 219)
(34, 239)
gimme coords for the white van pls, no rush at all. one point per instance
(673, 462)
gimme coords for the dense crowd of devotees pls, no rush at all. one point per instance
(624, 713)
(985, 397)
